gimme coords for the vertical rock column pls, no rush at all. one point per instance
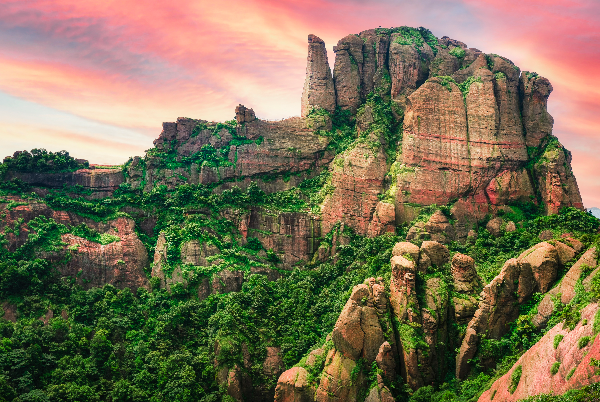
(319, 91)
(347, 72)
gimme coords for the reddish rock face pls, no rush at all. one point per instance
(120, 263)
(555, 179)
(292, 386)
(510, 186)
(537, 362)
(357, 177)
(319, 91)
(384, 220)
(434, 146)
(566, 288)
(362, 331)
(347, 72)
(535, 91)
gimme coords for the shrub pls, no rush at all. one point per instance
(583, 342)
(515, 378)
(40, 160)
(596, 325)
(557, 339)
(555, 368)
(568, 377)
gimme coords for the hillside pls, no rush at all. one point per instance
(416, 235)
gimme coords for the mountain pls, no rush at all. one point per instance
(595, 211)
(416, 234)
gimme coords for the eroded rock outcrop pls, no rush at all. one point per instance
(362, 333)
(534, 271)
(357, 176)
(121, 263)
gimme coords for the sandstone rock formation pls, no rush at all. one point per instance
(566, 288)
(120, 263)
(357, 176)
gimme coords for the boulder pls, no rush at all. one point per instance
(544, 261)
(494, 226)
(293, 386)
(383, 221)
(437, 253)
(466, 279)
(319, 91)
(244, 115)
(407, 250)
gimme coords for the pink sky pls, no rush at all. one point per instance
(98, 77)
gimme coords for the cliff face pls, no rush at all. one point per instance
(474, 127)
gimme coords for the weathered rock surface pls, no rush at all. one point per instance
(566, 288)
(384, 220)
(467, 283)
(437, 228)
(244, 115)
(575, 369)
(104, 181)
(292, 386)
(274, 147)
(347, 72)
(357, 178)
(535, 91)
(120, 263)
(319, 91)
(555, 179)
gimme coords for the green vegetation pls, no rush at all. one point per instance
(515, 378)
(458, 52)
(590, 393)
(40, 160)
(583, 342)
(557, 340)
(555, 367)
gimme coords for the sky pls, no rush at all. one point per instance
(98, 77)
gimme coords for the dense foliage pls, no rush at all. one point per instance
(40, 160)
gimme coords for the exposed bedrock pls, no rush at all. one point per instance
(362, 333)
(576, 367)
